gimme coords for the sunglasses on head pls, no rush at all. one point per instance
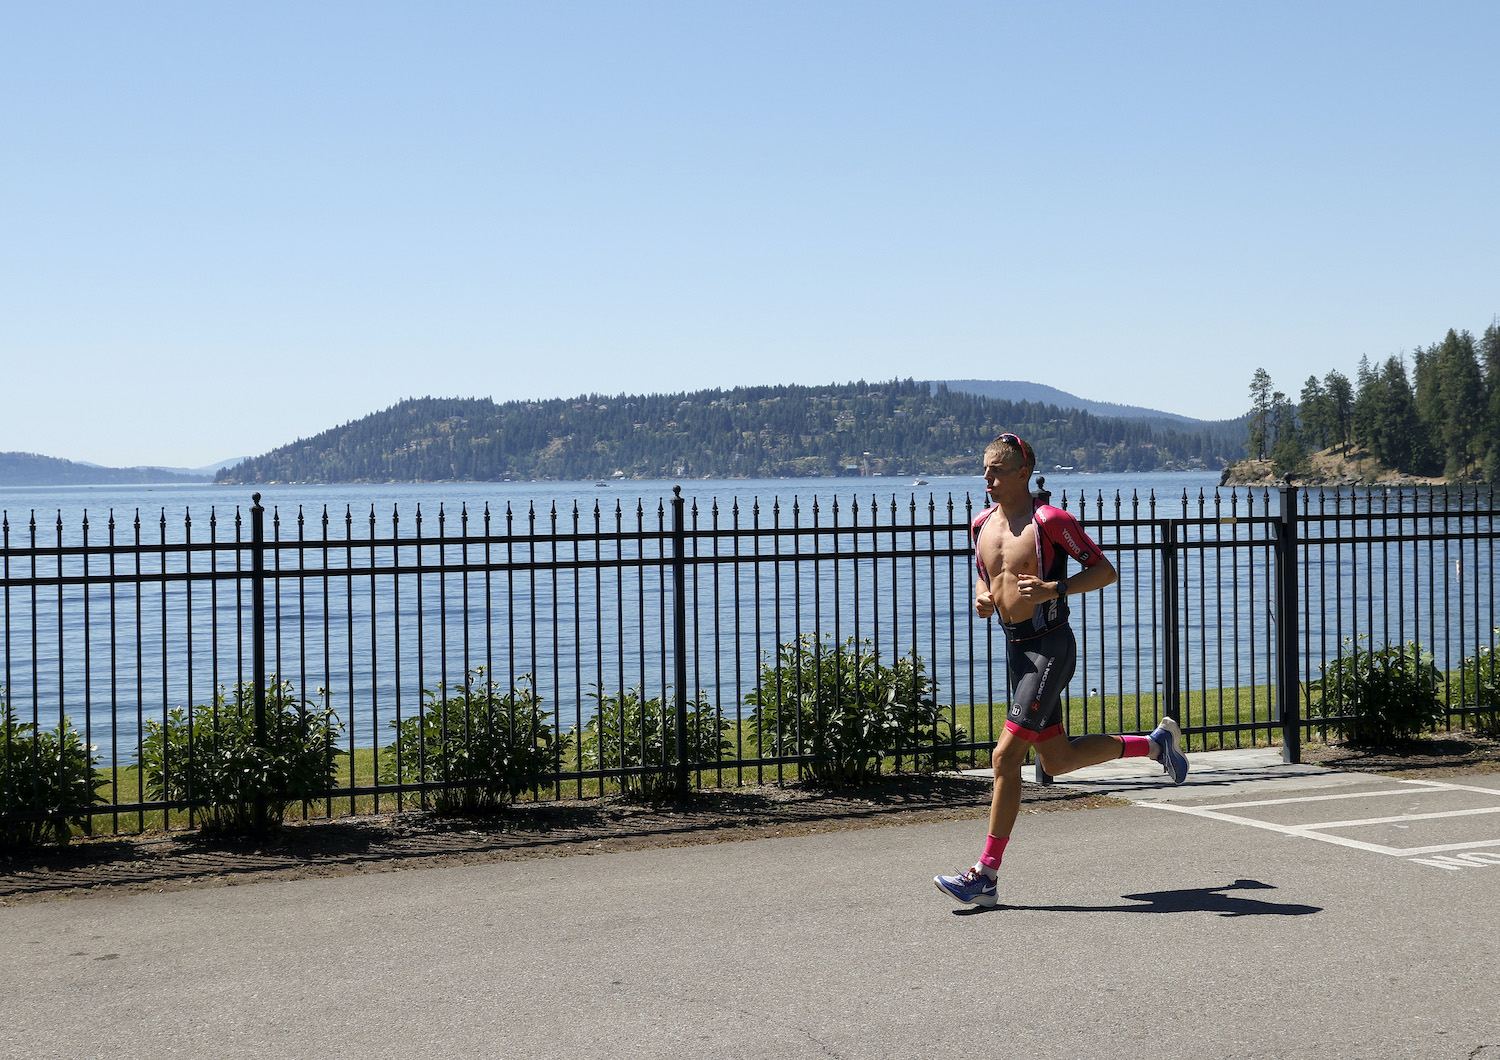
(1015, 439)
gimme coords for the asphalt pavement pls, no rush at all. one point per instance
(1260, 910)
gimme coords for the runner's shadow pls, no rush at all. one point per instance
(1187, 900)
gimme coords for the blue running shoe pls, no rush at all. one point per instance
(1169, 738)
(973, 887)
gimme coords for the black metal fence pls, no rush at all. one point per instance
(1226, 611)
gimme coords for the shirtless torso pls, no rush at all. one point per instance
(1021, 552)
(1006, 549)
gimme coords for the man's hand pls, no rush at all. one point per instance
(984, 604)
(1034, 589)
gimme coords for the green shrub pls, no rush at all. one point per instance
(485, 744)
(48, 770)
(210, 758)
(1480, 682)
(849, 713)
(1387, 694)
(629, 731)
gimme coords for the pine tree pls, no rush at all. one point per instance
(1401, 442)
(1260, 414)
(1364, 411)
(1489, 355)
(1340, 395)
(1464, 404)
(1288, 452)
(1314, 414)
(1429, 398)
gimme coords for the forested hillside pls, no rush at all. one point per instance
(1442, 420)
(1015, 390)
(894, 428)
(30, 469)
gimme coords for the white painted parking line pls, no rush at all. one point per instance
(1405, 817)
(1475, 845)
(1302, 831)
(1445, 786)
(1329, 798)
(1443, 856)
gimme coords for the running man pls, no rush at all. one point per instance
(1021, 548)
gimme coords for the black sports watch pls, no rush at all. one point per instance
(1062, 587)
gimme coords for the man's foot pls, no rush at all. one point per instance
(1168, 736)
(973, 887)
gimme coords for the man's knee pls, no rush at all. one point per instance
(1008, 756)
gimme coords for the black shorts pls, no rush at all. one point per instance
(1040, 668)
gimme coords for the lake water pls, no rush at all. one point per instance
(47, 503)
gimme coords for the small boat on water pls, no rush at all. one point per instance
(920, 482)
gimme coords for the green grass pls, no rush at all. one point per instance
(1247, 704)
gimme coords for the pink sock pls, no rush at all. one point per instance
(994, 850)
(1135, 746)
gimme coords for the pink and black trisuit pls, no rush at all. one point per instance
(1041, 652)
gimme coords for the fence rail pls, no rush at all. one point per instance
(1224, 616)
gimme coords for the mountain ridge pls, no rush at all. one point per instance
(1043, 413)
(34, 469)
(1016, 390)
(899, 427)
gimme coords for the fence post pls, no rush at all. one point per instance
(1041, 494)
(258, 637)
(1171, 641)
(679, 636)
(1288, 693)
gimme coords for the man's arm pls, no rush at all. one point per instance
(1065, 533)
(1098, 576)
(984, 603)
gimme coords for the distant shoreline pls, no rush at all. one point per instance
(1328, 467)
(902, 479)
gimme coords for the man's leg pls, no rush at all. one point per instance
(1038, 670)
(1007, 759)
(977, 885)
(1034, 709)
(1041, 673)
(1061, 755)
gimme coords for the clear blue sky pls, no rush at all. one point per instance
(223, 227)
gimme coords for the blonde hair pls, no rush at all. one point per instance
(1007, 444)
